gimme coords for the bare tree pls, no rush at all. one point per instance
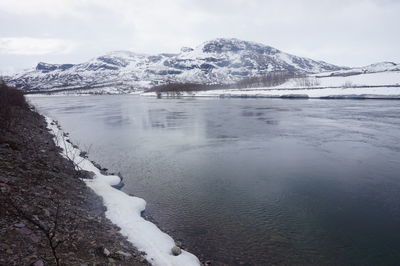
(308, 82)
(53, 231)
(347, 84)
(266, 80)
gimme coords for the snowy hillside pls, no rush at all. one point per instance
(387, 78)
(380, 85)
(374, 68)
(216, 61)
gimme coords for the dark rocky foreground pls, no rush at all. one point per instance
(48, 216)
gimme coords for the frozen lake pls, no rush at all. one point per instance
(253, 181)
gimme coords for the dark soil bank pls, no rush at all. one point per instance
(48, 216)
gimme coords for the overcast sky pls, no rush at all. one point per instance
(351, 33)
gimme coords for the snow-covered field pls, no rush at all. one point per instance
(371, 85)
(125, 211)
(370, 79)
(380, 92)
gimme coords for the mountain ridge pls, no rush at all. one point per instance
(221, 60)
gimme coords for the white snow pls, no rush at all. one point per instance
(125, 211)
(370, 85)
(367, 93)
(370, 79)
(373, 68)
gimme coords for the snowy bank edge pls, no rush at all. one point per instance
(124, 210)
(306, 93)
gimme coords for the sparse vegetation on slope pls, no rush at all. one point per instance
(47, 213)
(267, 80)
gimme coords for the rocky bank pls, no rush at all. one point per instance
(48, 216)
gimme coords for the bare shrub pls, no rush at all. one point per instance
(267, 80)
(71, 152)
(11, 99)
(56, 229)
(185, 87)
(307, 82)
(347, 84)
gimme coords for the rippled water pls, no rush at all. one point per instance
(254, 181)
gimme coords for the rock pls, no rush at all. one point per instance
(24, 231)
(4, 188)
(120, 255)
(38, 263)
(98, 166)
(19, 225)
(4, 180)
(31, 250)
(119, 185)
(46, 212)
(34, 238)
(104, 172)
(186, 49)
(5, 145)
(106, 252)
(176, 251)
(86, 174)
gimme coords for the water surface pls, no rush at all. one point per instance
(253, 181)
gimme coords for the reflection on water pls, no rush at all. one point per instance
(254, 181)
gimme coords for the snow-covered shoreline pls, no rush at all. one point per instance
(124, 210)
(382, 85)
(312, 93)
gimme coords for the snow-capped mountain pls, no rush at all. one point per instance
(216, 61)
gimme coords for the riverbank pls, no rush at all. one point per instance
(122, 209)
(48, 215)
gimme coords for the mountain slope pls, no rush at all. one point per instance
(373, 68)
(216, 61)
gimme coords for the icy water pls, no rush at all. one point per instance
(254, 181)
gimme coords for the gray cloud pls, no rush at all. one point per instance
(353, 33)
